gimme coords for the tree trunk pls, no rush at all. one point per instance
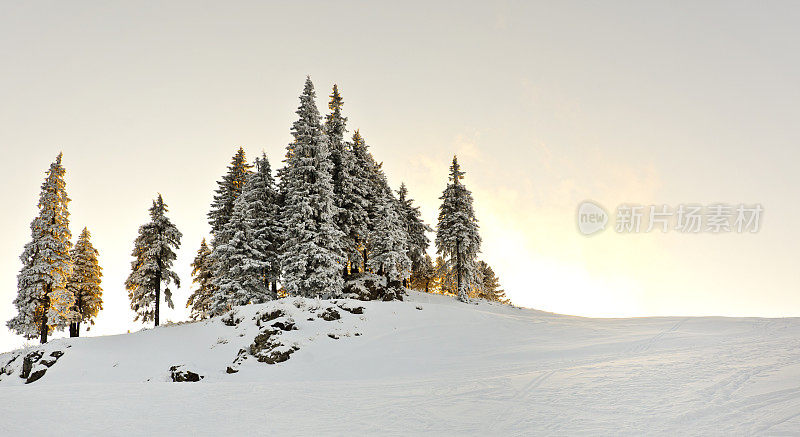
(458, 268)
(365, 260)
(275, 289)
(158, 292)
(75, 327)
(44, 328)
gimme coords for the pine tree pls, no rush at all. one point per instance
(43, 301)
(264, 221)
(312, 258)
(228, 189)
(457, 237)
(415, 228)
(349, 194)
(424, 276)
(248, 261)
(489, 287)
(84, 283)
(153, 257)
(389, 242)
(200, 300)
(365, 194)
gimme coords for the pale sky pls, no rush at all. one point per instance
(545, 104)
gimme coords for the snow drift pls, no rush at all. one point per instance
(425, 365)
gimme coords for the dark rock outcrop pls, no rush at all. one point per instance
(179, 375)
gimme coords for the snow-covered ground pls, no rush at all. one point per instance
(429, 365)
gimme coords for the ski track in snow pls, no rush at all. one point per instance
(448, 369)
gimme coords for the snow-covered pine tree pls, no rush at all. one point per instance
(228, 189)
(457, 237)
(489, 288)
(365, 195)
(415, 228)
(349, 194)
(153, 257)
(424, 276)
(43, 301)
(264, 221)
(200, 301)
(84, 283)
(312, 258)
(247, 262)
(389, 243)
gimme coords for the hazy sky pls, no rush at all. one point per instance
(545, 104)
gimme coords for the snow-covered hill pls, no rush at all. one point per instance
(427, 365)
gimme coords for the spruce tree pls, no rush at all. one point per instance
(200, 301)
(389, 242)
(312, 258)
(43, 301)
(263, 214)
(233, 280)
(153, 257)
(489, 287)
(365, 195)
(457, 237)
(349, 194)
(247, 262)
(84, 283)
(228, 189)
(415, 228)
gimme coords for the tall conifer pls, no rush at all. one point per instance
(200, 301)
(312, 258)
(84, 283)
(457, 237)
(153, 257)
(43, 301)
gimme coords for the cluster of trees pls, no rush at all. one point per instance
(330, 216)
(59, 284)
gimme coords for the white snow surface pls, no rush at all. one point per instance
(448, 368)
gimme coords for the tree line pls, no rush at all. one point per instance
(330, 217)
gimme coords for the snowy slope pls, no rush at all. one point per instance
(447, 368)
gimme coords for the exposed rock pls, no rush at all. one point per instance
(230, 370)
(57, 354)
(179, 375)
(35, 376)
(351, 309)
(272, 315)
(28, 362)
(267, 347)
(7, 369)
(287, 325)
(276, 355)
(329, 315)
(333, 336)
(48, 363)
